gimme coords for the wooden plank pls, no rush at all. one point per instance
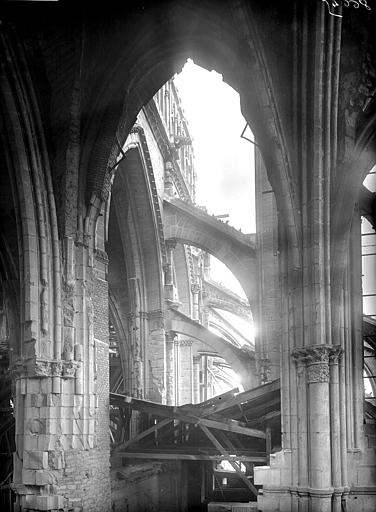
(227, 442)
(195, 450)
(166, 437)
(159, 455)
(145, 433)
(222, 450)
(247, 396)
(141, 405)
(200, 408)
(257, 411)
(231, 426)
(266, 417)
(175, 413)
(216, 399)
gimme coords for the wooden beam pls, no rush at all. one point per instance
(227, 442)
(232, 426)
(247, 396)
(164, 438)
(199, 408)
(156, 454)
(176, 413)
(255, 412)
(222, 450)
(196, 450)
(266, 417)
(217, 399)
(143, 434)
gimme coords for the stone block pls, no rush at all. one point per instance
(77, 400)
(45, 477)
(44, 412)
(50, 412)
(68, 387)
(78, 427)
(55, 460)
(65, 442)
(261, 475)
(47, 442)
(33, 386)
(366, 475)
(49, 502)
(30, 442)
(91, 426)
(35, 459)
(66, 426)
(28, 477)
(21, 386)
(33, 412)
(77, 442)
(52, 426)
(49, 400)
(17, 468)
(55, 399)
(28, 502)
(67, 400)
(40, 400)
(67, 412)
(35, 426)
(46, 385)
(77, 412)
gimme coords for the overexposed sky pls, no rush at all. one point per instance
(224, 162)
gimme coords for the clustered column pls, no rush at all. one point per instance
(195, 288)
(170, 368)
(168, 269)
(322, 432)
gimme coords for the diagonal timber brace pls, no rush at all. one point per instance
(226, 455)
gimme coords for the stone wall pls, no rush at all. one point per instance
(268, 347)
(146, 487)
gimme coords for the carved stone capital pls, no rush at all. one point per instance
(335, 355)
(18, 370)
(56, 368)
(156, 319)
(42, 368)
(82, 239)
(69, 369)
(317, 372)
(183, 343)
(170, 336)
(195, 288)
(170, 244)
(101, 256)
(312, 354)
(316, 359)
(166, 267)
(156, 313)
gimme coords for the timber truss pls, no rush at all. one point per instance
(236, 427)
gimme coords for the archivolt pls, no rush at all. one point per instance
(28, 163)
(214, 41)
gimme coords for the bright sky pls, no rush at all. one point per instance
(224, 162)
